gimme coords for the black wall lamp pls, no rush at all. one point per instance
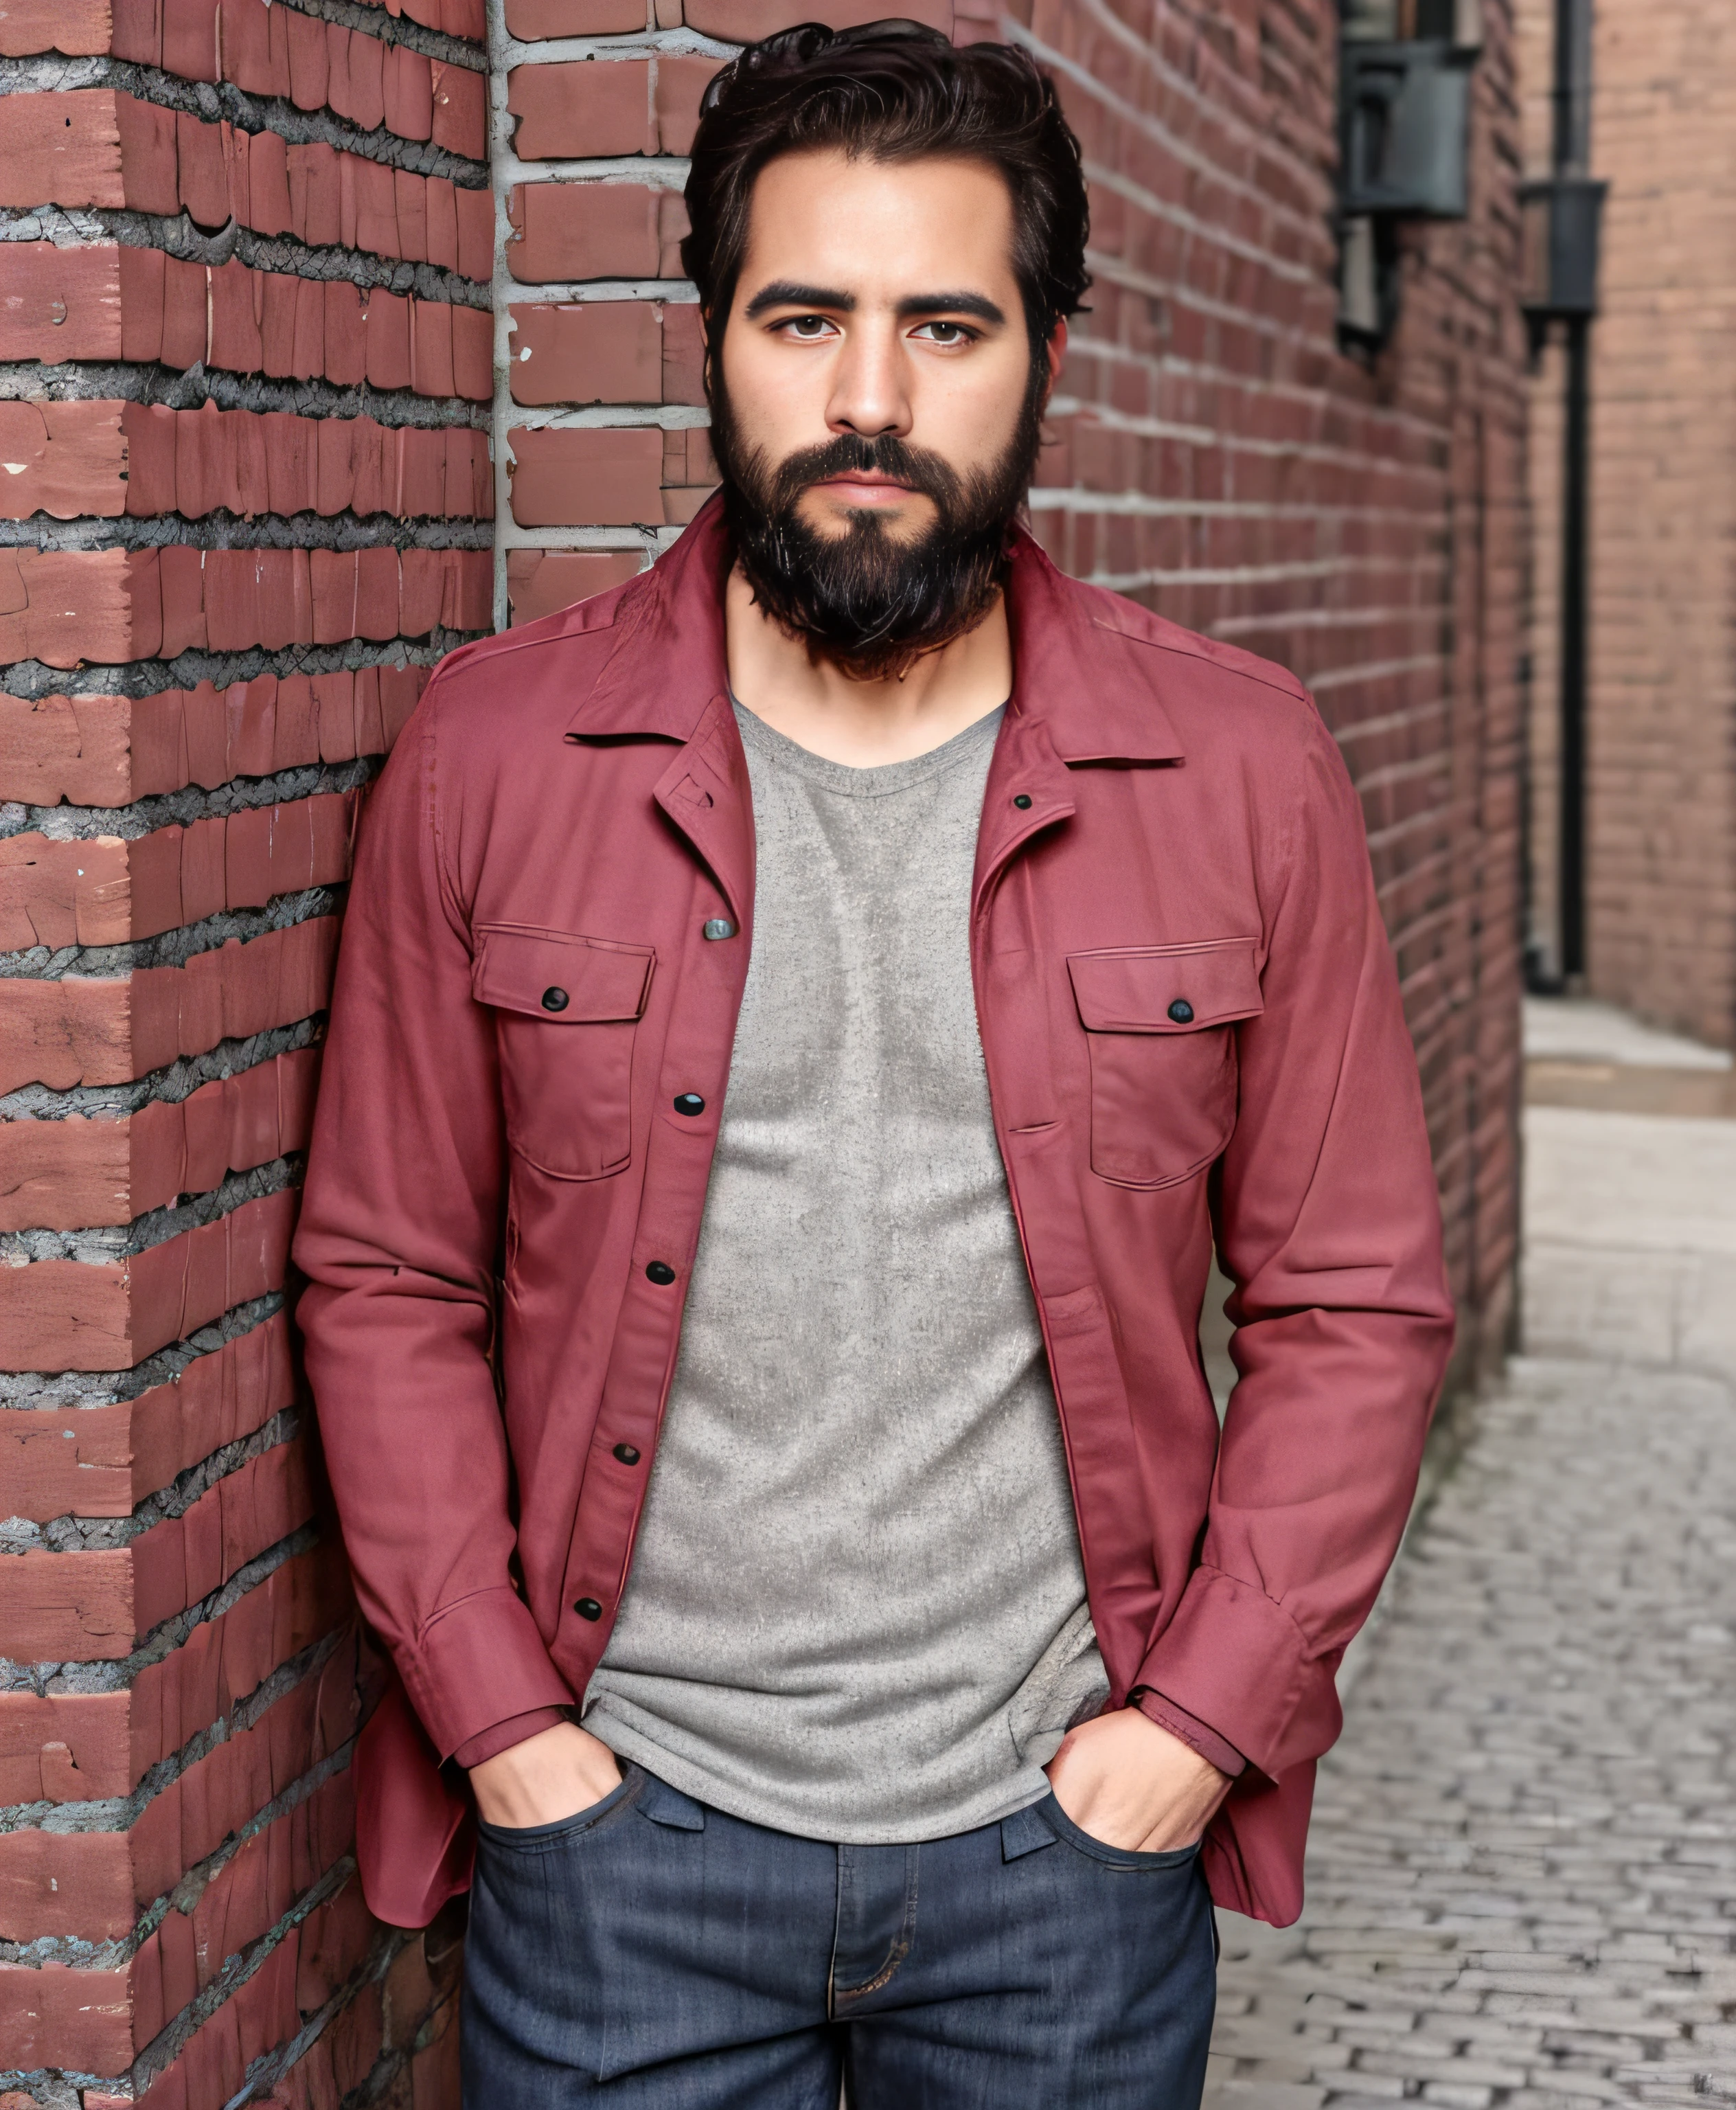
(1562, 226)
(1404, 141)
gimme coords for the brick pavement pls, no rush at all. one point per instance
(1522, 1872)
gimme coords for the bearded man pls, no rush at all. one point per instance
(805, 1020)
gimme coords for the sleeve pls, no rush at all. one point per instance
(1194, 1733)
(399, 1227)
(503, 1735)
(1327, 1220)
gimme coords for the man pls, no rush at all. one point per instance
(805, 1018)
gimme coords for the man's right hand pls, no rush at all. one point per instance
(556, 1773)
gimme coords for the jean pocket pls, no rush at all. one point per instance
(1112, 1857)
(563, 1830)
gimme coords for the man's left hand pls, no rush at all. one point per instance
(1132, 1785)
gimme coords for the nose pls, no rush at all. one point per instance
(870, 384)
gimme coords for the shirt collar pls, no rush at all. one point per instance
(1073, 673)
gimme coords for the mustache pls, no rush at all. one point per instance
(850, 454)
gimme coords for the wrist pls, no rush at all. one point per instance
(555, 1773)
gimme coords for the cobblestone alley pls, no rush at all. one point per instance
(1522, 1877)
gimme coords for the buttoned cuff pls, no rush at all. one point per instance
(1189, 1729)
(479, 1661)
(505, 1734)
(1233, 1658)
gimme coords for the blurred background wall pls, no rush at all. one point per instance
(1656, 871)
(255, 430)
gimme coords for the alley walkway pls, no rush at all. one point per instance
(1522, 1877)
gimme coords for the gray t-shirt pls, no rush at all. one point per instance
(856, 1609)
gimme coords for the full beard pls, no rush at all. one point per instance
(869, 602)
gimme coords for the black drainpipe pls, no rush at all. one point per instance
(1572, 158)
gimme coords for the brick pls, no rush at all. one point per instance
(81, 2019)
(681, 80)
(65, 458)
(408, 90)
(60, 149)
(529, 19)
(79, 28)
(190, 39)
(254, 59)
(363, 102)
(475, 212)
(540, 581)
(60, 304)
(460, 113)
(586, 109)
(610, 475)
(472, 355)
(431, 348)
(57, 1747)
(745, 21)
(78, 1885)
(577, 231)
(310, 61)
(63, 606)
(684, 353)
(203, 173)
(594, 351)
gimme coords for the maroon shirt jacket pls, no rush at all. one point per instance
(1193, 1031)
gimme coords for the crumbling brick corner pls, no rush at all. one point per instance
(245, 372)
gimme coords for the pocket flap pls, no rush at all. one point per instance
(1166, 989)
(560, 977)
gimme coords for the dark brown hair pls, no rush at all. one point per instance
(891, 90)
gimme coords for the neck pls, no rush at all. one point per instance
(863, 723)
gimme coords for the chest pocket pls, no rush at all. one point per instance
(1163, 1058)
(565, 1015)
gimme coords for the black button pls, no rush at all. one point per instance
(661, 1273)
(1182, 1011)
(689, 1103)
(717, 926)
(626, 1454)
(588, 1607)
(1022, 799)
(555, 999)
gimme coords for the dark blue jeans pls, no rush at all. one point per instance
(655, 1953)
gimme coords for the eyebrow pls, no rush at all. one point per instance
(786, 293)
(951, 304)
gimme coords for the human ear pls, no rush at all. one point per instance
(1055, 350)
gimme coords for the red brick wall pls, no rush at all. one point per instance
(1661, 864)
(247, 495)
(255, 465)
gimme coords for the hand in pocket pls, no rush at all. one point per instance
(556, 1773)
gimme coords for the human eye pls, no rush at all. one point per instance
(805, 329)
(945, 334)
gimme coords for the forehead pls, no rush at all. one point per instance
(880, 228)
